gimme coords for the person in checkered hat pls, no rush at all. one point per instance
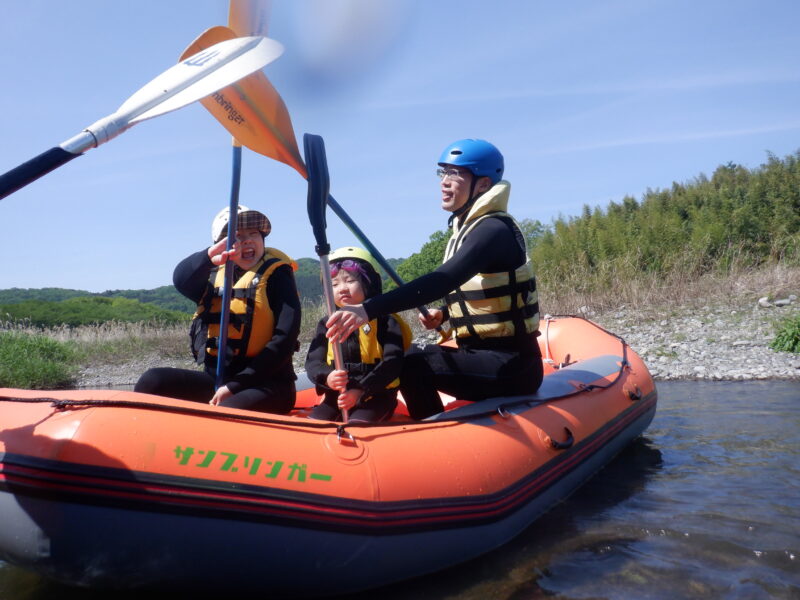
(264, 322)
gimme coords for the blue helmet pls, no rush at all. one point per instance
(479, 156)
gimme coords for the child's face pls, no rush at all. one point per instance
(347, 288)
(249, 248)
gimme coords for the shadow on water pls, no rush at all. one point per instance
(512, 571)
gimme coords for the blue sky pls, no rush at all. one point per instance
(589, 101)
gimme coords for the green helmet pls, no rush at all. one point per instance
(366, 260)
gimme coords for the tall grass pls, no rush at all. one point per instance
(689, 282)
(113, 342)
(313, 311)
(36, 361)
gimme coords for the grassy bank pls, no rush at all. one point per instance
(35, 361)
(32, 357)
(42, 358)
(569, 293)
(51, 357)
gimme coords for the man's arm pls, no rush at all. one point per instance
(490, 247)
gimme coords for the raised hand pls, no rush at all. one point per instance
(219, 255)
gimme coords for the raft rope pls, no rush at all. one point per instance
(340, 428)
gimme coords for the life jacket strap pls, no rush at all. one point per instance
(496, 292)
(525, 312)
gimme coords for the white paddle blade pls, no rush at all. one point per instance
(249, 17)
(200, 75)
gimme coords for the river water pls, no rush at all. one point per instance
(706, 505)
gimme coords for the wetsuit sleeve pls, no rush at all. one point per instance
(491, 247)
(317, 367)
(285, 305)
(191, 275)
(388, 369)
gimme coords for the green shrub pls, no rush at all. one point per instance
(788, 336)
(35, 361)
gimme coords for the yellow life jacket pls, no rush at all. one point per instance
(251, 322)
(371, 347)
(492, 305)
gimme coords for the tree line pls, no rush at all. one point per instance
(85, 310)
(166, 296)
(738, 217)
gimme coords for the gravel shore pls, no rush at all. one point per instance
(721, 342)
(708, 343)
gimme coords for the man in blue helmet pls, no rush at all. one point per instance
(489, 288)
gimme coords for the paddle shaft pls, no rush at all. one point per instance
(30, 171)
(233, 226)
(244, 18)
(330, 305)
(356, 231)
(370, 247)
(317, 203)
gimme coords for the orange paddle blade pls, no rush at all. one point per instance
(249, 17)
(251, 109)
(245, 18)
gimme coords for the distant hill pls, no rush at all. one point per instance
(48, 306)
(88, 310)
(14, 295)
(166, 297)
(307, 278)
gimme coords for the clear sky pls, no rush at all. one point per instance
(589, 101)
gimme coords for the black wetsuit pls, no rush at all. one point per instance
(377, 403)
(478, 368)
(264, 382)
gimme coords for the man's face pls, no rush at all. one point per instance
(455, 187)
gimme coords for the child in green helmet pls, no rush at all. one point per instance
(372, 355)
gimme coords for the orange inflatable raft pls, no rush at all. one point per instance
(122, 490)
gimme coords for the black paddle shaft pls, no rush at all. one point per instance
(30, 171)
(318, 188)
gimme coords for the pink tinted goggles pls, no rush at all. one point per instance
(351, 266)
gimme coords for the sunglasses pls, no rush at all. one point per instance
(351, 266)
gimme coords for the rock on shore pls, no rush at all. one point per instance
(707, 343)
